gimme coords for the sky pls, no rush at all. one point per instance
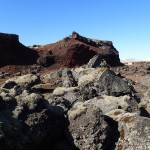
(124, 22)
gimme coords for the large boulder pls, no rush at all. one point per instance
(105, 82)
(134, 130)
(111, 84)
(88, 127)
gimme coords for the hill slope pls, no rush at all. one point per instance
(77, 50)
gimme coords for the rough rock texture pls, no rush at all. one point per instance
(114, 85)
(134, 130)
(26, 120)
(145, 103)
(97, 61)
(101, 91)
(25, 80)
(77, 108)
(108, 103)
(145, 80)
(102, 80)
(12, 52)
(88, 127)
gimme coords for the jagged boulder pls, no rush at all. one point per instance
(111, 84)
(105, 82)
(97, 61)
(89, 129)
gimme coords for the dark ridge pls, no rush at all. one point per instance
(12, 52)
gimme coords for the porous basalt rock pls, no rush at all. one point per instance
(89, 128)
(110, 83)
(27, 120)
(134, 130)
(25, 80)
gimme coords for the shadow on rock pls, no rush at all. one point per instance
(114, 134)
(144, 113)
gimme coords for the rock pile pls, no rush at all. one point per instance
(82, 104)
(86, 108)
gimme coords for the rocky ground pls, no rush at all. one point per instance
(65, 102)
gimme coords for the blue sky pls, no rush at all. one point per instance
(125, 22)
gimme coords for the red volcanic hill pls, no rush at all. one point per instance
(77, 50)
(12, 52)
(71, 51)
